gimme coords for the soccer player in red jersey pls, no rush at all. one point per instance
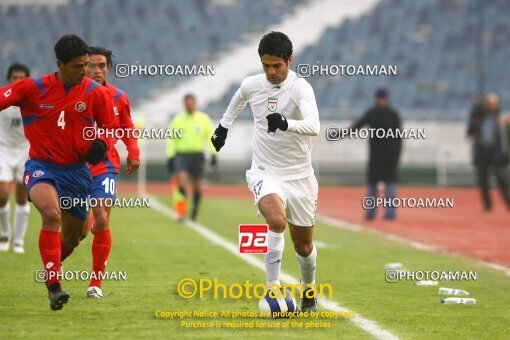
(55, 111)
(105, 173)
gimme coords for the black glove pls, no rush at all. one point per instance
(97, 151)
(219, 137)
(214, 161)
(276, 121)
(170, 165)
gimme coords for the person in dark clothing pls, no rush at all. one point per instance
(490, 137)
(384, 152)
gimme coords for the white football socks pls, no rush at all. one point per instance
(5, 225)
(273, 258)
(21, 213)
(307, 267)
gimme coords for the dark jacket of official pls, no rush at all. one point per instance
(384, 152)
(500, 152)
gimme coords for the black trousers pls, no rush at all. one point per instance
(485, 166)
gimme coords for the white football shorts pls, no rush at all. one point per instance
(12, 164)
(298, 196)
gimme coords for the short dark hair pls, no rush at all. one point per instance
(277, 44)
(108, 54)
(381, 93)
(17, 67)
(69, 47)
(188, 96)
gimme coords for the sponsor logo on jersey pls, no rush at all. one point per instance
(7, 93)
(272, 104)
(47, 106)
(115, 110)
(38, 173)
(80, 106)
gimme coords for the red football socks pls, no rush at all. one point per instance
(49, 247)
(100, 251)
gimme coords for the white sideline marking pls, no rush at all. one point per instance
(320, 244)
(368, 326)
(341, 224)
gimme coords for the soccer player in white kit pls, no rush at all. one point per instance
(13, 155)
(281, 176)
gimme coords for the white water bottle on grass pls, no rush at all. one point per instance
(452, 291)
(458, 301)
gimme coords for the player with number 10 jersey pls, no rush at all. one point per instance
(105, 173)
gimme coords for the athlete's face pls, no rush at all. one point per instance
(98, 68)
(16, 75)
(190, 104)
(275, 68)
(74, 71)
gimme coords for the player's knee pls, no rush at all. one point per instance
(100, 222)
(277, 222)
(303, 248)
(51, 216)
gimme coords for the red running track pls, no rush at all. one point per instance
(464, 229)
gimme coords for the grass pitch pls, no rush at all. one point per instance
(156, 253)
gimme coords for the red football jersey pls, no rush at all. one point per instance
(122, 111)
(55, 115)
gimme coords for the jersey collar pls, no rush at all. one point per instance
(66, 87)
(279, 86)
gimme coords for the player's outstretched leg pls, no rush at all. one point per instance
(5, 225)
(273, 258)
(21, 212)
(306, 254)
(5, 213)
(101, 246)
(45, 199)
(272, 208)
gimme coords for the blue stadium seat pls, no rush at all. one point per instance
(156, 31)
